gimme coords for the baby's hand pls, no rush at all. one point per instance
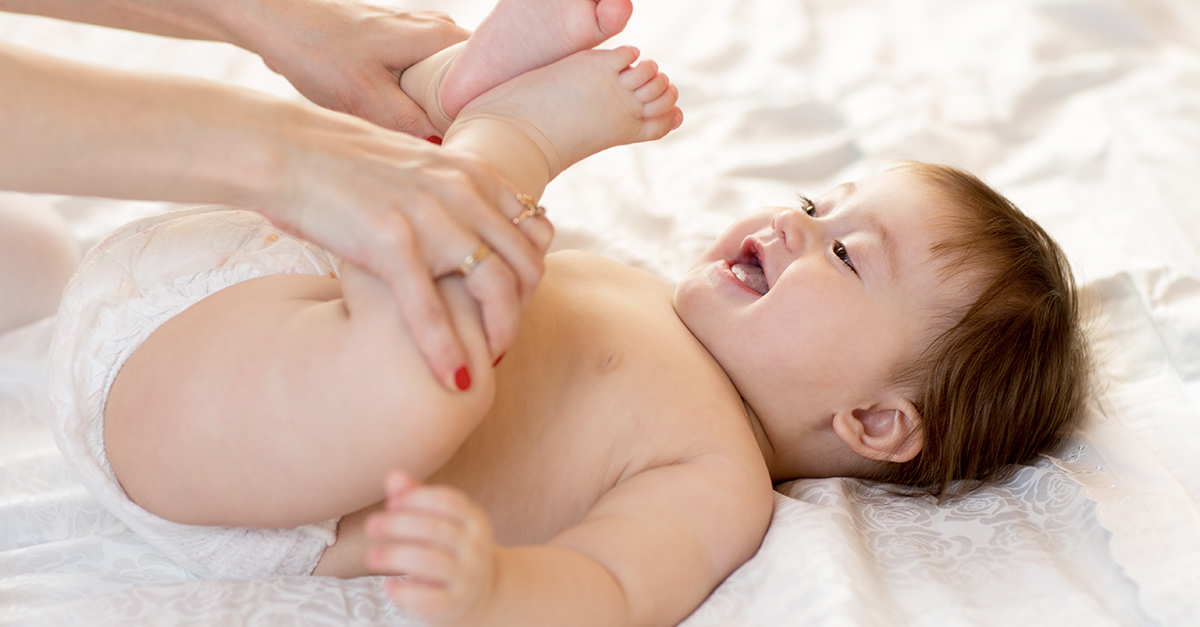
(439, 542)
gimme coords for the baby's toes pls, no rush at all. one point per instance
(619, 59)
(613, 15)
(663, 103)
(634, 77)
(657, 127)
(653, 89)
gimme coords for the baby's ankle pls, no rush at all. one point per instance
(423, 83)
(518, 151)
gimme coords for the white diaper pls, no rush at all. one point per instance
(129, 284)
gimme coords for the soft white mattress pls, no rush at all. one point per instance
(1086, 112)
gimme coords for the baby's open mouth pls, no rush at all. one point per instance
(748, 270)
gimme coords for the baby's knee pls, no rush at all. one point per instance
(38, 254)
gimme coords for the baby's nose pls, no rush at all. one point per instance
(793, 228)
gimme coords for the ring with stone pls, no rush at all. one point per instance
(532, 209)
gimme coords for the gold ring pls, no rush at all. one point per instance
(532, 209)
(473, 260)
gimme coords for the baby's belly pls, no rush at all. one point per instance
(532, 484)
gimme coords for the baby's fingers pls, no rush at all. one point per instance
(435, 515)
(428, 600)
(426, 530)
(430, 565)
(438, 541)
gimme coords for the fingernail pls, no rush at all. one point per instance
(676, 121)
(497, 362)
(462, 379)
(434, 139)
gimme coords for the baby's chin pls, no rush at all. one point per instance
(688, 302)
(680, 300)
(675, 299)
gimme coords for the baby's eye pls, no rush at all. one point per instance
(839, 249)
(807, 206)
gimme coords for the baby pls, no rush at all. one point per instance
(248, 392)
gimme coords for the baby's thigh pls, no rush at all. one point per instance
(37, 256)
(265, 404)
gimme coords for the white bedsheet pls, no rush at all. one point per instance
(1086, 112)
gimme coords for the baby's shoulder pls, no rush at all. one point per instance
(602, 294)
(593, 270)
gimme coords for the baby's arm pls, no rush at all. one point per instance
(647, 554)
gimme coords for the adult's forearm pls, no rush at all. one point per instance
(75, 129)
(187, 19)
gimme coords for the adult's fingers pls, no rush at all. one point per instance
(396, 259)
(384, 103)
(388, 106)
(503, 283)
(429, 32)
(478, 185)
(493, 285)
(498, 289)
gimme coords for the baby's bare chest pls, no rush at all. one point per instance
(617, 388)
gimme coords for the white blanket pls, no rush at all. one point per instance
(1085, 112)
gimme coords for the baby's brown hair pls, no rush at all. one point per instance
(1009, 379)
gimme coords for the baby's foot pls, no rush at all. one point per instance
(585, 103)
(522, 35)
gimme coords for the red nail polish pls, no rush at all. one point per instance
(497, 362)
(462, 379)
(434, 139)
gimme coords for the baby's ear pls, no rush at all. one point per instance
(890, 431)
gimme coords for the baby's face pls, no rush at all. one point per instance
(810, 309)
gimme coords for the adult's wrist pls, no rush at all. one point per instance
(275, 146)
(266, 27)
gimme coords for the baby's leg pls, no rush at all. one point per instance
(518, 36)
(536, 125)
(522, 35)
(37, 256)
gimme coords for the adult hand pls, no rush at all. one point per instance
(398, 206)
(406, 210)
(341, 54)
(347, 56)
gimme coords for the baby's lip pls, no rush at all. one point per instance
(748, 267)
(751, 253)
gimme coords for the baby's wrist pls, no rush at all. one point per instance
(486, 607)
